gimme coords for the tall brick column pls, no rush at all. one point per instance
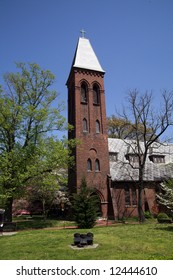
(87, 114)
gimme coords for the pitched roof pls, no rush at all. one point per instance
(85, 56)
(121, 170)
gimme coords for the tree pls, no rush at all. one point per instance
(85, 206)
(165, 197)
(118, 127)
(148, 125)
(45, 190)
(29, 146)
(122, 128)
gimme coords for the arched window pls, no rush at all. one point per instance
(96, 95)
(97, 126)
(85, 125)
(83, 93)
(89, 165)
(97, 165)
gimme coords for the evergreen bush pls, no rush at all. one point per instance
(85, 206)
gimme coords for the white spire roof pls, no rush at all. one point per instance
(85, 56)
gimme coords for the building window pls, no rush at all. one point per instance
(113, 156)
(127, 196)
(89, 165)
(96, 95)
(83, 93)
(133, 158)
(97, 165)
(134, 197)
(85, 125)
(97, 126)
(130, 196)
(157, 158)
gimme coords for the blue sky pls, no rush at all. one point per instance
(133, 40)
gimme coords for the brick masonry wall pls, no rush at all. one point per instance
(92, 145)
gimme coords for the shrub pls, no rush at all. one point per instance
(85, 206)
(147, 215)
(163, 218)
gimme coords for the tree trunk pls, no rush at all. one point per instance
(140, 196)
(44, 209)
(8, 210)
(140, 203)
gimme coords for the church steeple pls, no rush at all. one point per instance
(85, 56)
(87, 114)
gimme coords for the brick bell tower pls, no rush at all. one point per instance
(87, 115)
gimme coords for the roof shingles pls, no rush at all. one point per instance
(121, 170)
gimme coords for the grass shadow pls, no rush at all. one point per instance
(165, 228)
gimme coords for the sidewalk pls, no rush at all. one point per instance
(8, 233)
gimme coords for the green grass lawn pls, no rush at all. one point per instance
(150, 241)
(37, 222)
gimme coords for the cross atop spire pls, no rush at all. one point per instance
(82, 31)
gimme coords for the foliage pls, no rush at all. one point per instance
(117, 127)
(122, 128)
(85, 206)
(163, 218)
(20, 207)
(29, 121)
(45, 199)
(147, 215)
(46, 194)
(165, 197)
(45, 185)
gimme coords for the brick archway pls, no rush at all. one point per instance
(103, 203)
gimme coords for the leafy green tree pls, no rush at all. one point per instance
(165, 197)
(85, 206)
(45, 189)
(30, 118)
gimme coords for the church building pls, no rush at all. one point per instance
(99, 159)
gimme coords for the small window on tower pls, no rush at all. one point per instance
(97, 126)
(83, 93)
(96, 95)
(85, 125)
(89, 165)
(97, 165)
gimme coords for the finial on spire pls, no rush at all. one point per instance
(83, 33)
